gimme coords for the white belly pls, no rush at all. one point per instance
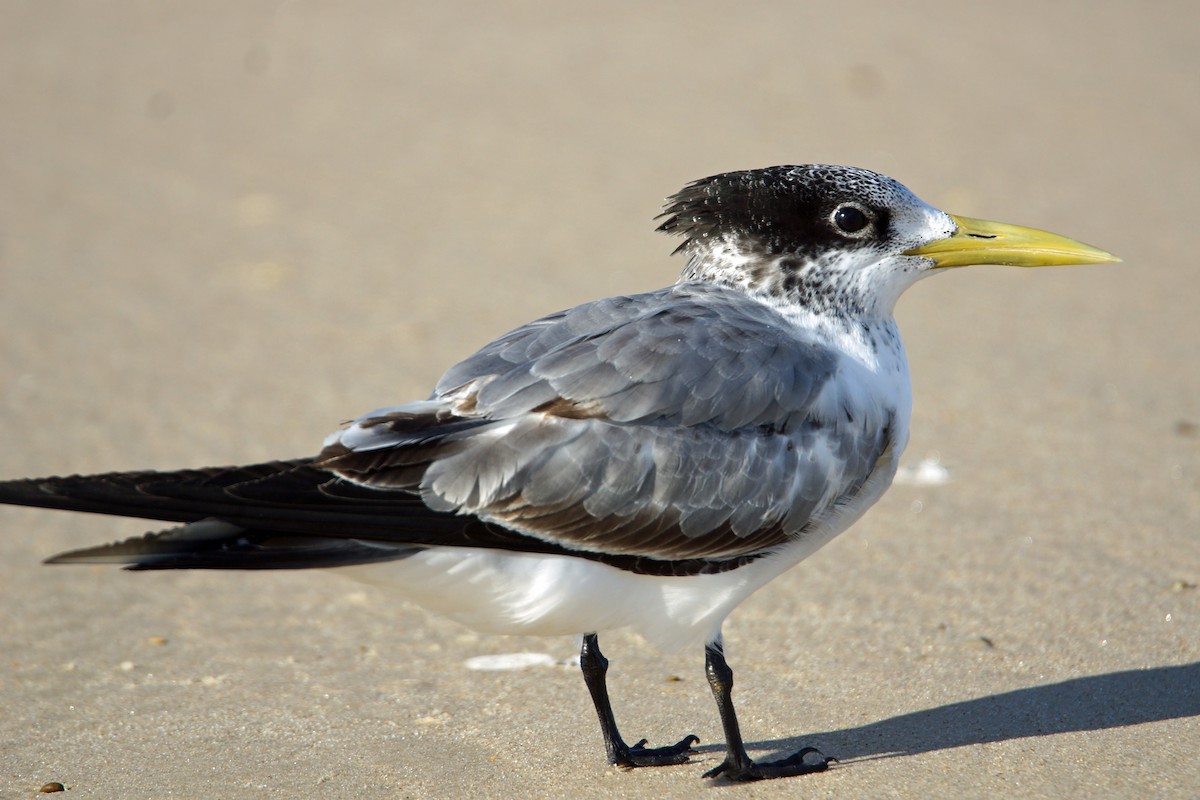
(498, 591)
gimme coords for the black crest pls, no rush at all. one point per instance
(786, 209)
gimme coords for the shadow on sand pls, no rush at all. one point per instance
(1097, 702)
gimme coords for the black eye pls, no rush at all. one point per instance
(850, 219)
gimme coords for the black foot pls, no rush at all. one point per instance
(640, 756)
(810, 759)
(594, 666)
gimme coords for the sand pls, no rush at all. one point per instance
(226, 228)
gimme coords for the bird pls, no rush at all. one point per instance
(641, 462)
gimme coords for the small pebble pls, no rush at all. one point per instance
(53, 786)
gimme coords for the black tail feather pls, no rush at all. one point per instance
(180, 496)
(212, 544)
(281, 515)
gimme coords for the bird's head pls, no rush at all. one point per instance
(839, 239)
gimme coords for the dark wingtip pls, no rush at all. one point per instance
(131, 552)
(27, 491)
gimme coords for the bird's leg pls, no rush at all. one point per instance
(737, 765)
(594, 666)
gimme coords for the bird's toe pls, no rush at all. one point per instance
(638, 755)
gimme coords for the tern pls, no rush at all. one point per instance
(644, 462)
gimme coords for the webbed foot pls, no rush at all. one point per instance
(638, 755)
(806, 761)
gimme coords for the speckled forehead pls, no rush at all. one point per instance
(862, 184)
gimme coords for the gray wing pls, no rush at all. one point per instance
(691, 422)
(674, 354)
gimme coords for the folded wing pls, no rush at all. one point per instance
(684, 430)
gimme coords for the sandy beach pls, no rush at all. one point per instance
(226, 229)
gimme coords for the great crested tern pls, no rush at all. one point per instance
(645, 461)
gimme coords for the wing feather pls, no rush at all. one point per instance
(692, 424)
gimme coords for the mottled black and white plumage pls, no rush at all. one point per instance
(644, 461)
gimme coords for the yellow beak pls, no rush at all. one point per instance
(978, 241)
